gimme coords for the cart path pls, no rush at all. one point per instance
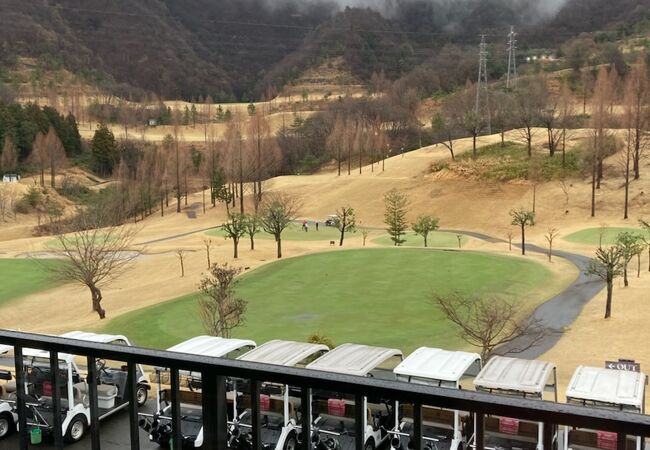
(562, 310)
(556, 314)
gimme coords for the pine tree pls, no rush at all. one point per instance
(395, 215)
(104, 150)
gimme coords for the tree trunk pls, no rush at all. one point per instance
(637, 154)
(638, 265)
(608, 305)
(593, 189)
(503, 138)
(252, 237)
(279, 243)
(425, 241)
(523, 239)
(342, 236)
(625, 281)
(627, 183)
(235, 243)
(52, 175)
(97, 300)
(474, 155)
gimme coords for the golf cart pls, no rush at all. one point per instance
(159, 425)
(604, 388)
(112, 388)
(279, 404)
(441, 368)
(8, 416)
(331, 220)
(516, 378)
(334, 412)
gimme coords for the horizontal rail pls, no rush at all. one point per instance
(475, 402)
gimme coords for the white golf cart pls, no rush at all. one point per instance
(112, 388)
(334, 412)
(519, 378)
(159, 425)
(441, 368)
(8, 416)
(279, 404)
(604, 388)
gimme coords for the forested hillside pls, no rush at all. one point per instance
(249, 49)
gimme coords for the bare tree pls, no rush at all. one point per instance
(220, 309)
(345, 222)
(445, 130)
(502, 113)
(278, 211)
(550, 236)
(9, 156)
(607, 265)
(207, 243)
(6, 203)
(600, 120)
(425, 225)
(631, 244)
(551, 120)
(336, 141)
(180, 254)
(235, 228)
(364, 235)
(95, 256)
(636, 99)
(492, 324)
(253, 227)
(522, 218)
(510, 234)
(38, 156)
(530, 97)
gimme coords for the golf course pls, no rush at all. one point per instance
(599, 236)
(20, 277)
(372, 296)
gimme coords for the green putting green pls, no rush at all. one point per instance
(295, 233)
(436, 239)
(597, 236)
(20, 277)
(371, 296)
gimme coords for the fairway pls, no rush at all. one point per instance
(294, 232)
(375, 296)
(593, 236)
(440, 239)
(19, 277)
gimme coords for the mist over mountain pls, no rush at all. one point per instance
(238, 49)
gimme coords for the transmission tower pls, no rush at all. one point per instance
(511, 80)
(482, 109)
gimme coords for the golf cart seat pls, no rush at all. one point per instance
(438, 416)
(7, 389)
(524, 430)
(588, 439)
(338, 415)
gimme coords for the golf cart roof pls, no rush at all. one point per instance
(513, 374)
(80, 335)
(283, 353)
(437, 364)
(616, 387)
(211, 346)
(353, 359)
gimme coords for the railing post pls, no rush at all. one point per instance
(132, 378)
(215, 419)
(547, 435)
(21, 408)
(417, 426)
(359, 421)
(176, 410)
(306, 417)
(91, 380)
(56, 399)
(256, 431)
(479, 430)
(621, 441)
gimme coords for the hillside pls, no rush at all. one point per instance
(242, 50)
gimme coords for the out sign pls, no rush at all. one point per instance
(628, 365)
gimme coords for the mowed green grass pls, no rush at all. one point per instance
(295, 233)
(20, 277)
(373, 296)
(592, 236)
(436, 239)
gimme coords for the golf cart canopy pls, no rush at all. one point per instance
(82, 336)
(211, 346)
(283, 353)
(354, 359)
(436, 364)
(607, 386)
(514, 375)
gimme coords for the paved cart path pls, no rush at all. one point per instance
(562, 310)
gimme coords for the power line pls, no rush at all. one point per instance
(482, 108)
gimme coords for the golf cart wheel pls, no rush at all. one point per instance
(6, 425)
(291, 443)
(141, 395)
(76, 429)
(370, 445)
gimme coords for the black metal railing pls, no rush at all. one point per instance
(215, 372)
